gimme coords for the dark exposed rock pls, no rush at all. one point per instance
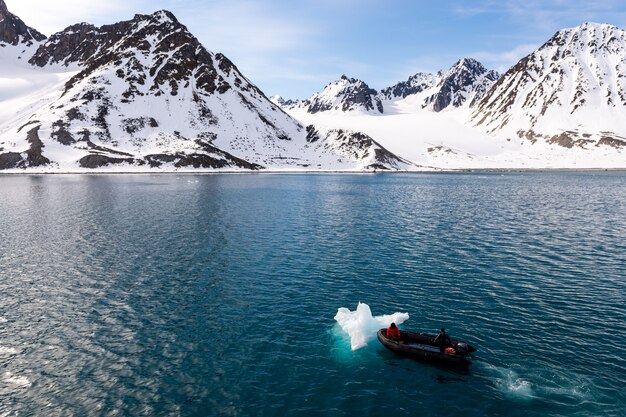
(199, 160)
(177, 55)
(611, 141)
(414, 85)
(230, 159)
(358, 145)
(563, 139)
(75, 43)
(353, 94)
(99, 148)
(216, 160)
(312, 135)
(465, 77)
(28, 124)
(101, 120)
(571, 139)
(157, 160)
(14, 31)
(439, 148)
(75, 114)
(10, 160)
(85, 135)
(34, 155)
(97, 161)
(60, 134)
(133, 125)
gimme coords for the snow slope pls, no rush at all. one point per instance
(342, 95)
(144, 94)
(563, 106)
(571, 91)
(462, 85)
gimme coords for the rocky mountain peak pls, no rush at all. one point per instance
(590, 38)
(413, 85)
(14, 31)
(345, 94)
(468, 65)
(83, 42)
(467, 80)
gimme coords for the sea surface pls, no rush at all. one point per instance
(215, 295)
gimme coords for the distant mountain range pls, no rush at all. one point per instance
(145, 94)
(571, 93)
(464, 83)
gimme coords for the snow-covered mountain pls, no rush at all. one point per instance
(563, 106)
(570, 92)
(356, 146)
(343, 95)
(466, 82)
(144, 94)
(463, 84)
(414, 85)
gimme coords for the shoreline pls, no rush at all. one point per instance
(325, 172)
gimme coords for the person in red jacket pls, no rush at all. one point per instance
(393, 332)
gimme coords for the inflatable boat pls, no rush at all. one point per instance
(423, 346)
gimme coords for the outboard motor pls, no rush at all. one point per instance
(462, 348)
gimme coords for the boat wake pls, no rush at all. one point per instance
(512, 385)
(563, 389)
(361, 326)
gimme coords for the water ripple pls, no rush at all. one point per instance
(215, 295)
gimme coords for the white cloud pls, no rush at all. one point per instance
(268, 44)
(245, 26)
(502, 61)
(548, 14)
(49, 17)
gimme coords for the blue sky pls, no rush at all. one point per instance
(295, 48)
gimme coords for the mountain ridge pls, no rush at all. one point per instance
(466, 80)
(571, 90)
(14, 31)
(145, 93)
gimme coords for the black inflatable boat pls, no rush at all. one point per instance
(423, 346)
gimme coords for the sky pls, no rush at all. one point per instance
(295, 48)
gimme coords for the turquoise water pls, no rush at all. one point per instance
(215, 295)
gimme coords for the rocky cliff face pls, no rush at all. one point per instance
(466, 82)
(14, 31)
(462, 85)
(414, 85)
(345, 95)
(571, 91)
